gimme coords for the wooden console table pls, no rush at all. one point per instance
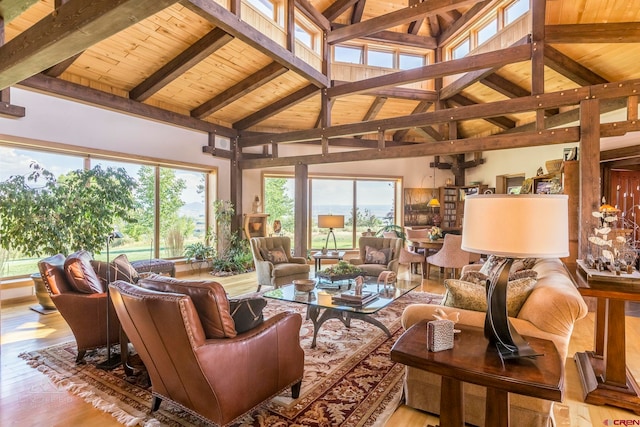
(474, 360)
(603, 372)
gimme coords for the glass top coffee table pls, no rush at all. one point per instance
(320, 306)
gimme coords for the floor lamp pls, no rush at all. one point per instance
(114, 360)
(331, 222)
(513, 226)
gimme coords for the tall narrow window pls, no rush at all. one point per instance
(487, 31)
(407, 61)
(515, 10)
(348, 54)
(461, 49)
(379, 58)
(266, 7)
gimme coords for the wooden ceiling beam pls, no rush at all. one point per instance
(313, 14)
(337, 8)
(470, 78)
(356, 143)
(459, 23)
(569, 68)
(194, 54)
(374, 108)
(430, 132)
(244, 32)
(392, 19)
(504, 86)
(449, 147)
(612, 32)
(277, 107)
(500, 121)
(398, 92)
(99, 98)
(494, 59)
(238, 90)
(423, 106)
(623, 153)
(76, 26)
(402, 39)
(10, 9)
(61, 67)
(358, 10)
(478, 111)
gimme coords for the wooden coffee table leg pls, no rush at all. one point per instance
(497, 408)
(451, 403)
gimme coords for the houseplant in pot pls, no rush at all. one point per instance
(41, 215)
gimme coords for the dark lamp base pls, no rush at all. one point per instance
(111, 363)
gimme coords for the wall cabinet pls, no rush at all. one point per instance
(452, 204)
(255, 225)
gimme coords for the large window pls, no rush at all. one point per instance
(14, 161)
(171, 211)
(366, 204)
(348, 54)
(515, 10)
(378, 56)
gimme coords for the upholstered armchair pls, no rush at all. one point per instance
(195, 357)
(274, 264)
(451, 255)
(80, 296)
(377, 254)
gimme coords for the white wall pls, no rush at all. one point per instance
(59, 120)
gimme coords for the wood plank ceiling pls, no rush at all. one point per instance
(196, 64)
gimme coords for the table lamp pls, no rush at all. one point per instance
(331, 222)
(513, 226)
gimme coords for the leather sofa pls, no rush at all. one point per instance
(185, 336)
(371, 263)
(549, 312)
(79, 294)
(275, 266)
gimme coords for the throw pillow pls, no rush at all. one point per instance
(523, 274)
(80, 273)
(107, 273)
(247, 313)
(491, 265)
(375, 256)
(473, 296)
(124, 269)
(277, 255)
(208, 297)
(475, 277)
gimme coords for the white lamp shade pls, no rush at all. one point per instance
(331, 221)
(516, 226)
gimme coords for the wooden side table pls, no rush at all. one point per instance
(603, 372)
(474, 360)
(319, 256)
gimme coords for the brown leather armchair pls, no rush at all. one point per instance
(82, 304)
(218, 378)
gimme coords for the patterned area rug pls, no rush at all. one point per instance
(349, 378)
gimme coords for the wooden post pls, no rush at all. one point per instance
(235, 188)
(589, 170)
(301, 209)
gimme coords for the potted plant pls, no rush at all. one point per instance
(198, 251)
(42, 215)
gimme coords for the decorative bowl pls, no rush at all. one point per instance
(304, 285)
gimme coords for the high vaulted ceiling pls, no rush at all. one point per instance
(219, 68)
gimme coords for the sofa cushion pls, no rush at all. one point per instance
(208, 297)
(473, 296)
(481, 278)
(53, 274)
(81, 275)
(247, 313)
(377, 256)
(124, 269)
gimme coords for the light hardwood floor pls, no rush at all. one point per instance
(27, 398)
